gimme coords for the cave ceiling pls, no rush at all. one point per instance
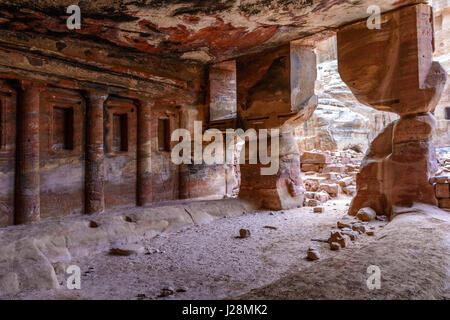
(192, 30)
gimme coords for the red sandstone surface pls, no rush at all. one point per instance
(86, 118)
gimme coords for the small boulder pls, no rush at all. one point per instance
(120, 252)
(315, 157)
(93, 224)
(310, 195)
(349, 190)
(338, 237)
(165, 292)
(341, 225)
(335, 246)
(318, 209)
(331, 188)
(345, 181)
(322, 196)
(126, 250)
(353, 235)
(244, 233)
(313, 254)
(366, 214)
(312, 203)
(359, 228)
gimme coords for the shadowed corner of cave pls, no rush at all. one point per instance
(97, 190)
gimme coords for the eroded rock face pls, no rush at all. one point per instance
(397, 167)
(340, 121)
(391, 68)
(401, 159)
(275, 89)
(278, 191)
(441, 12)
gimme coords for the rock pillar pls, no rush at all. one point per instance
(391, 69)
(27, 191)
(281, 190)
(144, 173)
(95, 199)
(275, 90)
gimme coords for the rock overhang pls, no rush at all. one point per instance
(198, 30)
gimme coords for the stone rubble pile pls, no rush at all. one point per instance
(328, 174)
(443, 159)
(441, 182)
(441, 185)
(348, 230)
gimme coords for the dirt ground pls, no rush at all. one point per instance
(208, 261)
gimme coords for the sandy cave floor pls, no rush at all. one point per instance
(208, 262)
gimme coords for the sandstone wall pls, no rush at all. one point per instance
(165, 175)
(61, 166)
(442, 54)
(120, 152)
(61, 130)
(7, 153)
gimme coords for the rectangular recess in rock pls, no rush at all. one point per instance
(62, 128)
(165, 174)
(120, 167)
(163, 134)
(120, 132)
(7, 153)
(120, 126)
(62, 123)
(222, 90)
(61, 152)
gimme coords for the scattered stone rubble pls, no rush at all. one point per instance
(441, 186)
(329, 174)
(441, 182)
(348, 230)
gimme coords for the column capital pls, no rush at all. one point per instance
(96, 94)
(31, 84)
(145, 103)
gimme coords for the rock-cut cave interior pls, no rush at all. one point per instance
(227, 149)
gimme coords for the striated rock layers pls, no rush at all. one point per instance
(441, 12)
(397, 74)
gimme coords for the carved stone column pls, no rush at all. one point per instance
(144, 173)
(27, 190)
(95, 199)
